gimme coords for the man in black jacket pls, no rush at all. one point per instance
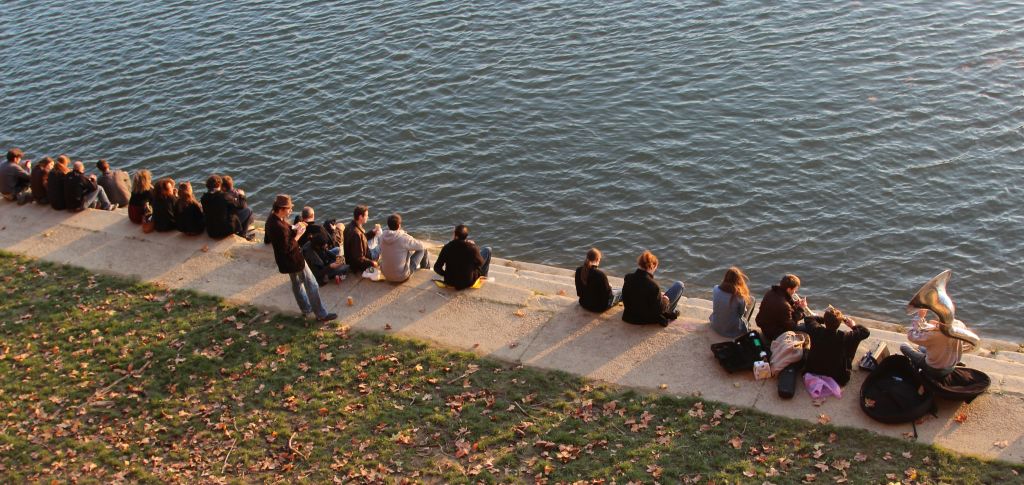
(289, 260)
(81, 191)
(832, 350)
(220, 211)
(460, 262)
(642, 298)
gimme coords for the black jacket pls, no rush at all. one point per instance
(641, 298)
(832, 351)
(319, 261)
(219, 210)
(39, 184)
(596, 292)
(286, 251)
(76, 185)
(778, 313)
(459, 263)
(55, 189)
(163, 213)
(189, 218)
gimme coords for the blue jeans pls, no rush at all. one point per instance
(419, 260)
(97, 198)
(485, 252)
(919, 357)
(307, 291)
(616, 297)
(674, 293)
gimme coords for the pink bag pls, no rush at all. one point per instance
(821, 386)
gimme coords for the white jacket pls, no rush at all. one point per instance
(395, 247)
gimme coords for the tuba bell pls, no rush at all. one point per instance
(933, 296)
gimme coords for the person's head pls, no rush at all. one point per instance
(165, 187)
(647, 261)
(61, 164)
(395, 221)
(214, 182)
(185, 191)
(833, 317)
(45, 164)
(308, 215)
(360, 214)
(735, 282)
(790, 283)
(14, 155)
(319, 241)
(282, 206)
(593, 257)
(227, 184)
(79, 167)
(142, 181)
(461, 232)
(102, 166)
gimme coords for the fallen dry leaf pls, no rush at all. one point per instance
(907, 454)
(1001, 444)
(861, 457)
(960, 418)
(736, 442)
(824, 419)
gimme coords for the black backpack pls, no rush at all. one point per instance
(895, 392)
(741, 353)
(335, 232)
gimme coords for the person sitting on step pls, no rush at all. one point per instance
(592, 287)
(643, 299)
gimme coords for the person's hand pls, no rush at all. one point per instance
(27, 164)
(300, 228)
(664, 299)
(922, 313)
(802, 303)
(849, 322)
(375, 265)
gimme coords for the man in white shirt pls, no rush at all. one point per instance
(937, 353)
(401, 254)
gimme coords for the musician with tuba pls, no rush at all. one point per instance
(942, 342)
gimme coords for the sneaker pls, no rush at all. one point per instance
(329, 317)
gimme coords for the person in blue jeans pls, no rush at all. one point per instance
(642, 299)
(284, 238)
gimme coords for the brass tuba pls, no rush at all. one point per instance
(933, 296)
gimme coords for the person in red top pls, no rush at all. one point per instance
(284, 237)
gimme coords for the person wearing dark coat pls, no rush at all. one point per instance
(40, 177)
(55, 183)
(460, 262)
(642, 297)
(289, 260)
(832, 350)
(780, 311)
(220, 210)
(592, 286)
(163, 206)
(325, 265)
(81, 191)
(140, 203)
(358, 254)
(188, 214)
(16, 177)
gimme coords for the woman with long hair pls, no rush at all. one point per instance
(164, 201)
(140, 204)
(730, 300)
(188, 214)
(592, 285)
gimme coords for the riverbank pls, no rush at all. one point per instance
(527, 315)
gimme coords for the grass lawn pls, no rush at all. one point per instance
(105, 380)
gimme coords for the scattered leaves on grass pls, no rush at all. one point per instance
(824, 419)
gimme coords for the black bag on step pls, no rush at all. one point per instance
(895, 392)
(788, 378)
(741, 353)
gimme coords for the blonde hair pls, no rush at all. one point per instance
(142, 181)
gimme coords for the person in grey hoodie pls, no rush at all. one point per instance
(400, 254)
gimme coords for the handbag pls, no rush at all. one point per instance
(373, 274)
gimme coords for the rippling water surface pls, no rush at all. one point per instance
(863, 147)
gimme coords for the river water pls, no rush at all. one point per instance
(862, 146)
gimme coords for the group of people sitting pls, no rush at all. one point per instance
(311, 254)
(162, 205)
(832, 349)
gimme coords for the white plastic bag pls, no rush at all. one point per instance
(373, 274)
